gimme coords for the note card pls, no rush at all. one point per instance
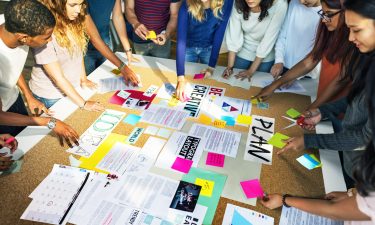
(182, 165)
(252, 188)
(277, 140)
(309, 162)
(214, 159)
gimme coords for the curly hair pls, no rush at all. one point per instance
(243, 8)
(28, 17)
(196, 8)
(69, 34)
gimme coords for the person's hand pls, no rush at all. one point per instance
(244, 74)
(36, 107)
(227, 72)
(129, 76)
(93, 106)
(66, 133)
(141, 31)
(5, 161)
(312, 118)
(266, 92)
(272, 201)
(11, 145)
(160, 39)
(89, 84)
(208, 72)
(180, 88)
(288, 84)
(131, 58)
(294, 143)
(336, 196)
(276, 70)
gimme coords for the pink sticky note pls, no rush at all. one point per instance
(214, 159)
(198, 76)
(252, 188)
(182, 165)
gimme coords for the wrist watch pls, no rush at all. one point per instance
(128, 50)
(283, 200)
(51, 123)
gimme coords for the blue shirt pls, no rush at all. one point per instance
(192, 33)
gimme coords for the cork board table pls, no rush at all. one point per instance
(285, 175)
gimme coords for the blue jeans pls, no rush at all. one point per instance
(93, 58)
(46, 101)
(198, 54)
(152, 49)
(19, 108)
(244, 64)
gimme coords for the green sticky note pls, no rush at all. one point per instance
(277, 140)
(293, 113)
(210, 202)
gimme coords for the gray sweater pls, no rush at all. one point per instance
(355, 133)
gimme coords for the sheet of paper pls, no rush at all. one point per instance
(309, 162)
(188, 218)
(293, 216)
(97, 132)
(134, 135)
(232, 81)
(182, 165)
(181, 145)
(292, 113)
(151, 130)
(118, 158)
(114, 84)
(257, 149)
(186, 196)
(296, 87)
(220, 141)
(252, 188)
(214, 159)
(164, 133)
(235, 214)
(278, 140)
(165, 116)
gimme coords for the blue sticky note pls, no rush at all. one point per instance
(238, 219)
(308, 162)
(132, 119)
(230, 121)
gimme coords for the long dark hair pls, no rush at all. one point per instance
(364, 172)
(243, 8)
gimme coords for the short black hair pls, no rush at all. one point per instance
(28, 17)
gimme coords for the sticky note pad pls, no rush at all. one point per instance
(293, 113)
(244, 119)
(219, 123)
(151, 35)
(238, 219)
(308, 162)
(207, 186)
(252, 188)
(198, 76)
(182, 165)
(164, 133)
(277, 140)
(116, 71)
(230, 121)
(203, 118)
(214, 159)
(151, 130)
(132, 119)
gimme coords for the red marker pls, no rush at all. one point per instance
(10, 140)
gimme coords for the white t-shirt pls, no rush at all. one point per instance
(297, 36)
(367, 206)
(12, 61)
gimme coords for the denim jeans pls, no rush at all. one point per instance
(244, 64)
(19, 108)
(46, 101)
(198, 54)
(93, 58)
(152, 49)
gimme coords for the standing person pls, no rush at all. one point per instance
(201, 28)
(333, 48)
(252, 33)
(59, 65)
(100, 12)
(358, 208)
(28, 23)
(149, 15)
(300, 26)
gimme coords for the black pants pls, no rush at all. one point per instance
(17, 107)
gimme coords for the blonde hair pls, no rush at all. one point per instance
(69, 34)
(196, 8)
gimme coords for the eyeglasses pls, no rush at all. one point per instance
(328, 16)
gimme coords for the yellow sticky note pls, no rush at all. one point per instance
(219, 123)
(101, 152)
(244, 119)
(116, 71)
(173, 101)
(207, 186)
(151, 35)
(204, 119)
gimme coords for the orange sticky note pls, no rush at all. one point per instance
(219, 123)
(204, 119)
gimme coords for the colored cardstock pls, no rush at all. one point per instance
(132, 119)
(252, 188)
(198, 76)
(207, 186)
(277, 140)
(214, 159)
(293, 113)
(182, 165)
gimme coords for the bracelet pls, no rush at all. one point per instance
(83, 106)
(122, 65)
(284, 197)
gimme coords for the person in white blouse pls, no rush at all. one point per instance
(300, 26)
(251, 35)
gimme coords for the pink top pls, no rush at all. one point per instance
(367, 206)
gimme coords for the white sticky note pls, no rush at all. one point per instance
(123, 94)
(151, 130)
(151, 90)
(164, 133)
